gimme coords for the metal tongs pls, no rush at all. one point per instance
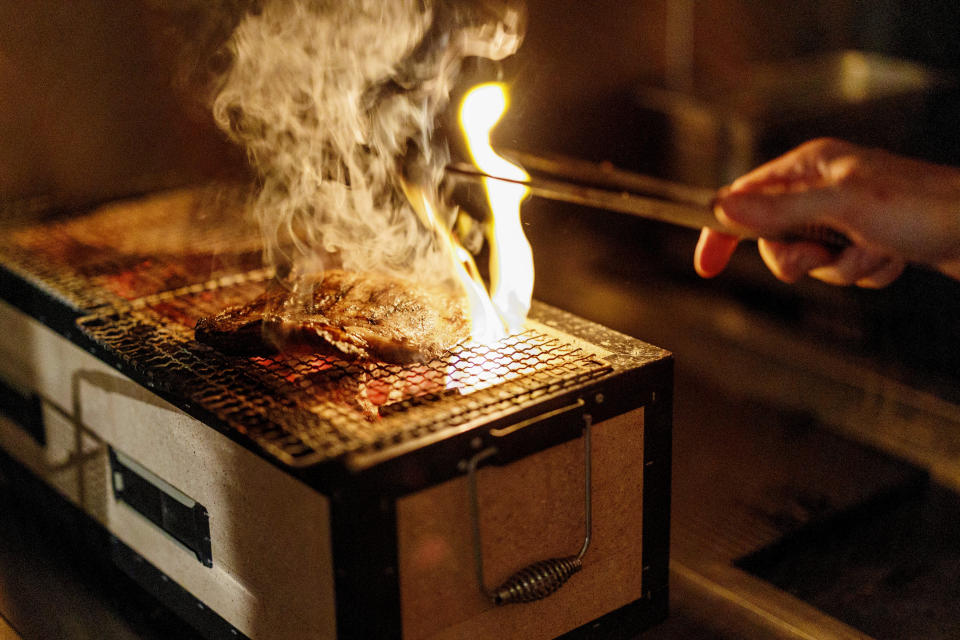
(607, 187)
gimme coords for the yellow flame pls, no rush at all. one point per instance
(511, 259)
(485, 324)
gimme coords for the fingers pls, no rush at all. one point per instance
(828, 184)
(762, 214)
(855, 265)
(790, 261)
(713, 252)
(883, 276)
(779, 214)
(808, 165)
(861, 267)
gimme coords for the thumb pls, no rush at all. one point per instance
(776, 213)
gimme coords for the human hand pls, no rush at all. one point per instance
(894, 210)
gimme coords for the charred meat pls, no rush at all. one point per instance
(354, 315)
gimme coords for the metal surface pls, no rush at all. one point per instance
(718, 131)
(108, 280)
(542, 578)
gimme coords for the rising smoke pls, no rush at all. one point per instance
(331, 100)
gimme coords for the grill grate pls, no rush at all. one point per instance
(308, 409)
(130, 249)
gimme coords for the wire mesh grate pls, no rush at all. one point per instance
(129, 249)
(304, 409)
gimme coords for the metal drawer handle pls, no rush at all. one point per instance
(540, 579)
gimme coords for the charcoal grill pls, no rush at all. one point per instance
(374, 453)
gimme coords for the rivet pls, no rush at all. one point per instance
(599, 398)
(476, 443)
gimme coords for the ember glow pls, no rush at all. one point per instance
(511, 259)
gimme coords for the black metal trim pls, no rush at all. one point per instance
(625, 623)
(106, 549)
(657, 461)
(365, 551)
(208, 418)
(40, 304)
(363, 521)
(366, 575)
(25, 410)
(402, 471)
(178, 600)
(630, 620)
(364, 525)
(58, 315)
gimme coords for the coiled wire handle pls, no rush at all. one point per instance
(540, 579)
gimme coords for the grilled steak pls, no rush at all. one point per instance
(356, 315)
